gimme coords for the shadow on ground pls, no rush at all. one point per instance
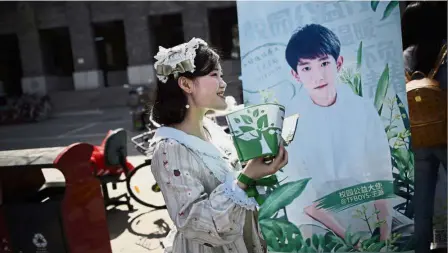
(117, 220)
(142, 228)
(159, 228)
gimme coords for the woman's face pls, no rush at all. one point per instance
(208, 91)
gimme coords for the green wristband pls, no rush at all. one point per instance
(246, 180)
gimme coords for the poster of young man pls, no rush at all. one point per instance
(349, 183)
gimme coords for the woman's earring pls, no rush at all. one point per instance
(187, 106)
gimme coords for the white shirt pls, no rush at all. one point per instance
(337, 146)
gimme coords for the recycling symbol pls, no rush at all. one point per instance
(39, 240)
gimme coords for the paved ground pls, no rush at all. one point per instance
(65, 129)
(139, 231)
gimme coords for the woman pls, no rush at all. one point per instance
(424, 33)
(194, 161)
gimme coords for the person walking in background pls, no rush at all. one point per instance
(424, 33)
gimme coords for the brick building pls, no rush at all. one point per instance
(70, 48)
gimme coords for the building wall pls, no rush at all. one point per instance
(26, 18)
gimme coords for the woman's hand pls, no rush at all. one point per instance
(257, 168)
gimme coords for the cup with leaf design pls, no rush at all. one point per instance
(256, 130)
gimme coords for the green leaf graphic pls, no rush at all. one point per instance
(381, 89)
(256, 112)
(281, 197)
(359, 56)
(391, 134)
(286, 235)
(247, 119)
(376, 247)
(360, 87)
(374, 5)
(262, 122)
(390, 127)
(389, 8)
(315, 241)
(348, 236)
(403, 111)
(356, 237)
(402, 157)
(246, 129)
(237, 120)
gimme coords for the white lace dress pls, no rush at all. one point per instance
(210, 212)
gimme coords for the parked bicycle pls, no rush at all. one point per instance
(26, 108)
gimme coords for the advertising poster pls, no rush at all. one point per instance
(349, 182)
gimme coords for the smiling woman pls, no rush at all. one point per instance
(194, 161)
(171, 102)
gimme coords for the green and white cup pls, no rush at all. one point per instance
(256, 130)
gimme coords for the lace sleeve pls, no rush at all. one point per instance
(216, 218)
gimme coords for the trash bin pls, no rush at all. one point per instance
(41, 217)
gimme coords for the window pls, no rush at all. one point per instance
(167, 31)
(57, 51)
(223, 25)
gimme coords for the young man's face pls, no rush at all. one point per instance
(319, 77)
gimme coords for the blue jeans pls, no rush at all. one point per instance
(427, 162)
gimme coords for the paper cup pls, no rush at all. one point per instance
(256, 130)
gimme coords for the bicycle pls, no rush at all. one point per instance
(115, 154)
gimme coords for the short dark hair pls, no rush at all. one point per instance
(311, 41)
(170, 100)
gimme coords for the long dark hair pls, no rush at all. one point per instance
(170, 100)
(424, 31)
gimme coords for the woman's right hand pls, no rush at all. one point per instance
(257, 168)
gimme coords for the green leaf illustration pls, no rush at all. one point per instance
(322, 243)
(403, 111)
(360, 87)
(246, 129)
(389, 8)
(281, 197)
(381, 89)
(358, 236)
(359, 56)
(315, 241)
(237, 120)
(256, 112)
(348, 236)
(390, 127)
(286, 235)
(376, 247)
(262, 122)
(343, 249)
(277, 230)
(402, 157)
(271, 239)
(366, 243)
(374, 5)
(247, 119)
(391, 134)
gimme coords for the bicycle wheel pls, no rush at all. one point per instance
(136, 191)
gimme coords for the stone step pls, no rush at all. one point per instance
(100, 98)
(107, 97)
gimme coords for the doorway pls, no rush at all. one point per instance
(10, 66)
(110, 44)
(58, 58)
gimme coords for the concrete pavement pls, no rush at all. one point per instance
(64, 129)
(140, 231)
(143, 230)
